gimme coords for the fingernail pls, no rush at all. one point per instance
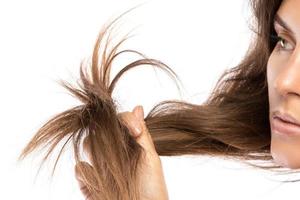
(140, 112)
(137, 128)
(136, 125)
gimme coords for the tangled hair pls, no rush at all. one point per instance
(233, 121)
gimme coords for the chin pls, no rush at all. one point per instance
(284, 157)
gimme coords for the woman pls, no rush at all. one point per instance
(252, 114)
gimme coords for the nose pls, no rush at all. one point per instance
(288, 80)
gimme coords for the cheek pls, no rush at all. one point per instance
(272, 71)
(285, 151)
(273, 66)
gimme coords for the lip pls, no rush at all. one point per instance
(285, 128)
(286, 117)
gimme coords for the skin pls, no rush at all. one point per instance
(152, 186)
(283, 75)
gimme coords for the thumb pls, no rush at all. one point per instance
(144, 139)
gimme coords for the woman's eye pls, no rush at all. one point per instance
(282, 44)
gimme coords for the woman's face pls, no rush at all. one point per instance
(283, 75)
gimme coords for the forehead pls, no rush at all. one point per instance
(289, 11)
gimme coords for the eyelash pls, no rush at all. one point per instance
(276, 38)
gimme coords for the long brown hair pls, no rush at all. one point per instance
(233, 122)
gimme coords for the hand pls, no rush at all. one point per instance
(152, 185)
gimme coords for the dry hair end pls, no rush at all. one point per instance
(232, 122)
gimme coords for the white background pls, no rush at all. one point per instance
(43, 41)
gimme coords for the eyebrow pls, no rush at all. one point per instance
(282, 23)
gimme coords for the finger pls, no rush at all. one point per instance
(144, 139)
(135, 119)
(131, 122)
(83, 187)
